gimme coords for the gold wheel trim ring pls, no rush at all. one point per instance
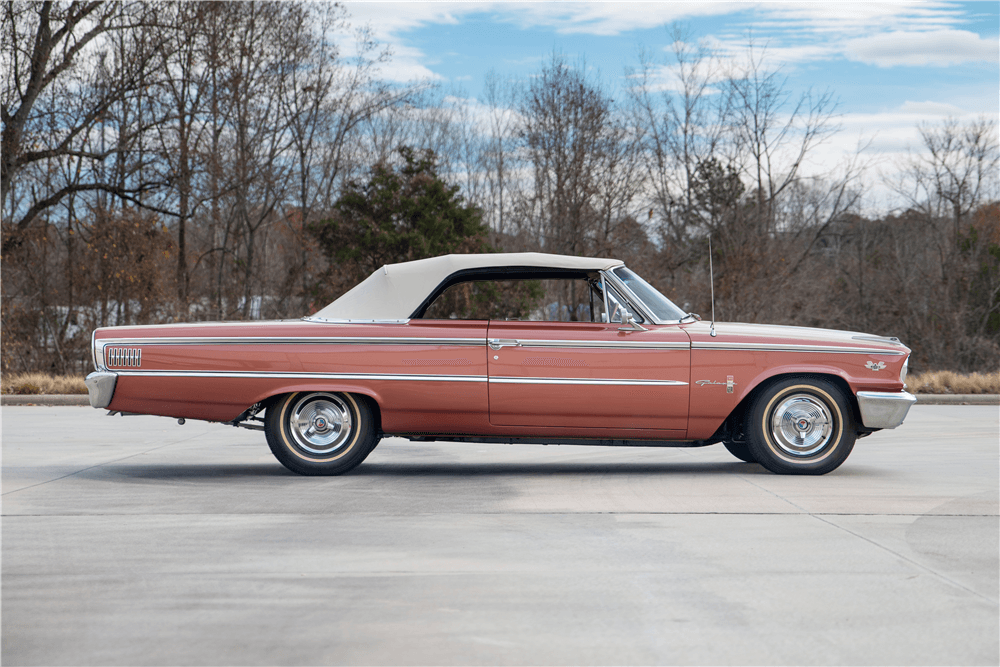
(289, 443)
(830, 442)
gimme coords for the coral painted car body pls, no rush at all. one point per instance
(636, 371)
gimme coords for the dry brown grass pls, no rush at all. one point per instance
(42, 383)
(948, 382)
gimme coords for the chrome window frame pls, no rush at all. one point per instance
(625, 302)
(620, 287)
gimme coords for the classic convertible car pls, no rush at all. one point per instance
(520, 347)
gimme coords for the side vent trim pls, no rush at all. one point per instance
(123, 357)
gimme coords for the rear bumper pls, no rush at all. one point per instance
(884, 409)
(101, 386)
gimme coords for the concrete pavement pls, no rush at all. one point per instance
(135, 541)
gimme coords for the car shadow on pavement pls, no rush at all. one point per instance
(191, 471)
(444, 469)
(460, 469)
(465, 469)
(233, 471)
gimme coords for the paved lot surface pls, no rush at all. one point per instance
(134, 541)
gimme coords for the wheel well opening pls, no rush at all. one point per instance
(375, 409)
(372, 404)
(732, 427)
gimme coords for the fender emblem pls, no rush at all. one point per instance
(729, 383)
(875, 365)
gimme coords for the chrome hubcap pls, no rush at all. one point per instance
(320, 423)
(801, 425)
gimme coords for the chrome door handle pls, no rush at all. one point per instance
(497, 343)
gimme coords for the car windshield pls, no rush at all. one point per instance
(662, 308)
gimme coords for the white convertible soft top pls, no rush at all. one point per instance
(395, 291)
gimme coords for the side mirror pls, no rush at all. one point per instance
(629, 321)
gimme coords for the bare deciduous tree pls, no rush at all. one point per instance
(50, 102)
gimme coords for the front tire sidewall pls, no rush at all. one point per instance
(772, 456)
(358, 444)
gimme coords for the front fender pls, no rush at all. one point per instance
(711, 403)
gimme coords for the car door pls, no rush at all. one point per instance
(599, 375)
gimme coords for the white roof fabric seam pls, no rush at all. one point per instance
(395, 291)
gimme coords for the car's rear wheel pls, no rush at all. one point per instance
(320, 433)
(740, 450)
(801, 426)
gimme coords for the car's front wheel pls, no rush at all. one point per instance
(801, 426)
(320, 433)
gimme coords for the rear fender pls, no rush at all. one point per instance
(339, 387)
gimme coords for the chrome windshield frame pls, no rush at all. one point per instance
(635, 301)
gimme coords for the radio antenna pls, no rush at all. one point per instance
(711, 279)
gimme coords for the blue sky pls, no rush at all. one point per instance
(891, 65)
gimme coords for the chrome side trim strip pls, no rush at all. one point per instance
(322, 340)
(892, 340)
(307, 376)
(328, 320)
(292, 340)
(620, 344)
(779, 347)
(597, 381)
(401, 377)
(205, 324)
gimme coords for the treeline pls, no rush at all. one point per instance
(190, 161)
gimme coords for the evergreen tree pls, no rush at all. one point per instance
(401, 213)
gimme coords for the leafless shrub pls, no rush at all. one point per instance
(42, 383)
(950, 382)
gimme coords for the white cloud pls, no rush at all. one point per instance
(891, 134)
(929, 108)
(855, 17)
(615, 17)
(391, 20)
(909, 32)
(890, 139)
(608, 18)
(734, 51)
(388, 20)
(936, 48)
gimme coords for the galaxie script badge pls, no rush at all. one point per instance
(729, 383)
